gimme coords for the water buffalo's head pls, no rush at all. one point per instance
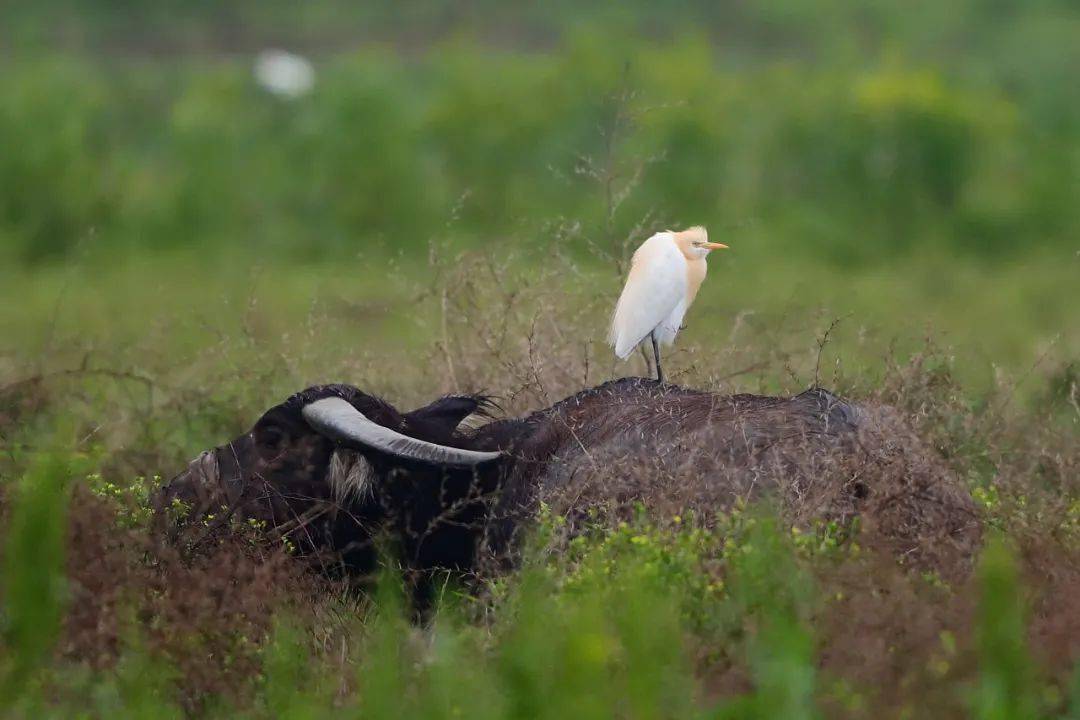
(326, 466)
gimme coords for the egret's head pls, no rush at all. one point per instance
(694, 243)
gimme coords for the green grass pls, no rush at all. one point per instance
(609, 630)
(1016, 322)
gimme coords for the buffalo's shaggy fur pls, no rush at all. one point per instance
(626, 442)
(675, 450)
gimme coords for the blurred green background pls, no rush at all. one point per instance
(914, 164)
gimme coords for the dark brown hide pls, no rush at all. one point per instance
(676, 450)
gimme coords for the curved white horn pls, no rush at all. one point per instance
(338, 419)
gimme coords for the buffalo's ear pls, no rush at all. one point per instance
(445, 414)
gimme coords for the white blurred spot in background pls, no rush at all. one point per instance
(284, 74)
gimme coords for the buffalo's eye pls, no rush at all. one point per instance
(272, 438)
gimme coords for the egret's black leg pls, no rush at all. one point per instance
(656, 357)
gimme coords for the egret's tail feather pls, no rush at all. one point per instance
(623, 351)
(618, 336)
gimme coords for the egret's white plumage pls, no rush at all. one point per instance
(665, 275)
(654, 297)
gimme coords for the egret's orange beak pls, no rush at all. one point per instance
(714, 246)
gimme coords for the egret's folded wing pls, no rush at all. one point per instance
(655, 286)
(669, 326)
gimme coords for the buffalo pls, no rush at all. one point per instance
(332, 468)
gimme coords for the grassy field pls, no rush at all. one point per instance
(123, 372)
(451, 209)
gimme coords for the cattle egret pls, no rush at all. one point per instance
(665, 275)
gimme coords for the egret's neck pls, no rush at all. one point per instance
(695, 275)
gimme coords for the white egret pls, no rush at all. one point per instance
(665, 275)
